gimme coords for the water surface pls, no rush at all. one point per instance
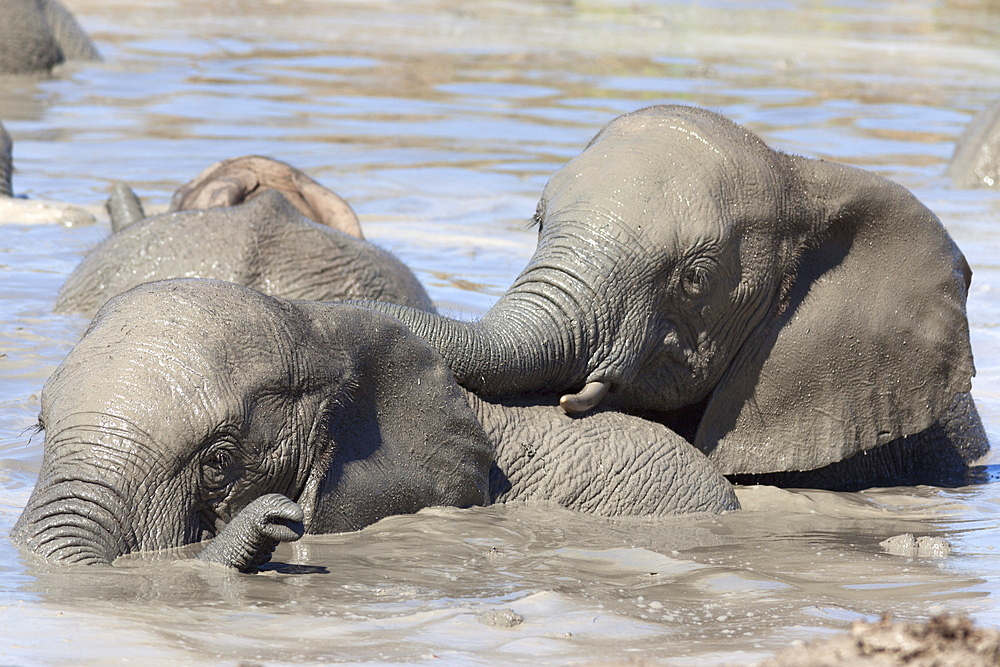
(440, 122)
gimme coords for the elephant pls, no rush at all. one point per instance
(37, 35)
(31, 211)
(194, 409)
(791, 317)
(264, 243)
(240, 179)
(975, 163)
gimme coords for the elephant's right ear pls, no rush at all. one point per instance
(402, 433)
(871, 342)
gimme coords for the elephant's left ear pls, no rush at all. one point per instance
(870, 343)
(402, 433)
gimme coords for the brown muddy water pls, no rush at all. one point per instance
(440, 122)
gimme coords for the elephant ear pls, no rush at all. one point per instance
(240, 179)
(401, 433)
(870, 343)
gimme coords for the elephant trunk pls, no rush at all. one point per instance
(74, 522)
(544, 335)
(510, 351)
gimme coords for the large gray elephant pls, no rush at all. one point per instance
(264, 243)
(975, 162)
(194, 409)
(37, 35)
(783, 313)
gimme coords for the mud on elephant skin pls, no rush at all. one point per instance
(784, 313)
(194, 409)
(262, 241)
(37, 35)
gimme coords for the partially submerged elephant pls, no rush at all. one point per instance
(975, 163)
(37, 35)
(236, 180)
(31, 211)
(785, 314)
(212, 410)
(263, 242)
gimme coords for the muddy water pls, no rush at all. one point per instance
(440, 122)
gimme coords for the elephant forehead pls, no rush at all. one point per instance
(210, 319)
(149, 386)
(637, 166)
(673, 183)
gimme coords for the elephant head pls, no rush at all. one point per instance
(188, 401)
(783, 312)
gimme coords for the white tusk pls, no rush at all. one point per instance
(586, 399)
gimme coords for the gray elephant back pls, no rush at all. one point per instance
(975, 162)
(37, 35)
(264, 244)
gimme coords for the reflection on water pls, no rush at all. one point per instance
(440, 122)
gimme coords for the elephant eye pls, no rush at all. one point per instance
(696, 280)
(218, 468)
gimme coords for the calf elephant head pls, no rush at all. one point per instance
(188, 401)
(788, 312)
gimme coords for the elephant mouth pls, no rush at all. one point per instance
(586, 399)
(208, 524)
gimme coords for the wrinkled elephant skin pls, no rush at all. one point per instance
(196, 409)
(264, 243)
(785, 314)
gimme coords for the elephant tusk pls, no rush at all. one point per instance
(586, 399)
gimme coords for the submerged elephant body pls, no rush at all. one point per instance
(975, 162)
(209, 405)
(785, 314)
(37, 35)
(264, 243)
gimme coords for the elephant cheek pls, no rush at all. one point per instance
(74, 522)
